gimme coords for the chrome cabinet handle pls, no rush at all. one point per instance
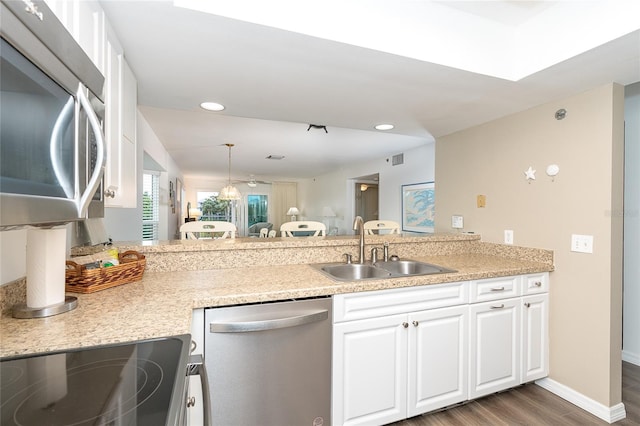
(538, 284)
(497, 289)
(405, 324)
(191, 401)
(415, 323)
(110, 192)
(528, 305)
(498, 307)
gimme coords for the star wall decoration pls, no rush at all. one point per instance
(530, 174)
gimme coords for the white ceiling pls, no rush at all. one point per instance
(275, 82)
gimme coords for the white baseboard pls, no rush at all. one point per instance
(631, 357)
(608, 414)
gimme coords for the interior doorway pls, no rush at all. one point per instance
(366, 197)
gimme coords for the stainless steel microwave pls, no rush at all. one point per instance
(52, 149)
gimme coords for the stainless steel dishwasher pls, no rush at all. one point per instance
(270, 364)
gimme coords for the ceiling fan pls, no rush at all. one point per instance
(252, 182)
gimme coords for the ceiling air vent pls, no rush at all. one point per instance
(397, 159)
(275, 157)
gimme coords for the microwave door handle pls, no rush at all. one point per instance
(60, 125)
(94, 181)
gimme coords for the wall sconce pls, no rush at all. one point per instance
(363, 187)
(293, 212)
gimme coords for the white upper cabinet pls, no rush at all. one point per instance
(120, 130)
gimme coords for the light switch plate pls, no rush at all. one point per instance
(508, 236)
(582, 243)
(457, 222)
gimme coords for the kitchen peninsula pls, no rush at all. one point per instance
(184, 275)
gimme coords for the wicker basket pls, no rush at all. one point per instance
(79, 279)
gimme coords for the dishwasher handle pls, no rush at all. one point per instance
(270, 324)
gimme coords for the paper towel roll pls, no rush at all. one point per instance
(46, 250)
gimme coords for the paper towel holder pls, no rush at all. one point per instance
(46, 250)
(23, 311)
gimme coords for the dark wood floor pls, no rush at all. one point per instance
(532, 405)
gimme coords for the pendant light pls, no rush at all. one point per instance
(229, 192)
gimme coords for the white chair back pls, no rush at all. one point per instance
(318, 228)
(373, 227)
(272, 233)
(207, 229)
(264, 232)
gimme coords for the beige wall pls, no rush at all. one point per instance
(585, 198)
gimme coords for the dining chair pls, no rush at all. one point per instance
(264, 233)
(272, 233)
(207, 230)
(373, 227)
(307, 228)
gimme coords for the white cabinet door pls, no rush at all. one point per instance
(370, 371)
(494, 335)
(535, 337)
(121, 100)
(129, 102)
(113, 81)
(438, 363)
(128, 162)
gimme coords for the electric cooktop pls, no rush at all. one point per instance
(138, 383)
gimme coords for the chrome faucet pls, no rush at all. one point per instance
(358, 224)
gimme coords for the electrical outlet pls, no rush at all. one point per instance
(508, 236)
(457, 222)
(582, 243)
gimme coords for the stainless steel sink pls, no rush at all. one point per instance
(379, 270)
(411, 267)
(354, 271)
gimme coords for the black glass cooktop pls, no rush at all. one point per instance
(138, 383)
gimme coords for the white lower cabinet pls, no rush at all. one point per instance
(437, 359)
(392, 367)
(509, 336)
(535, 337)
(403, 352)
(494, 348)
(370, 371)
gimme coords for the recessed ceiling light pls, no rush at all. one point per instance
(384, 127)
(212, 106)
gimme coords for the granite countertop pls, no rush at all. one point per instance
(161, 303)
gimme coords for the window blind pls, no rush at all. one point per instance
(150, 205)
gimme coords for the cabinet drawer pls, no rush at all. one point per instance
(494, 289)
(535, 283)
(355, 306)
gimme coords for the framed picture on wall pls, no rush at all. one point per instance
(178, 203)
(418, 207)
(172, 197)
